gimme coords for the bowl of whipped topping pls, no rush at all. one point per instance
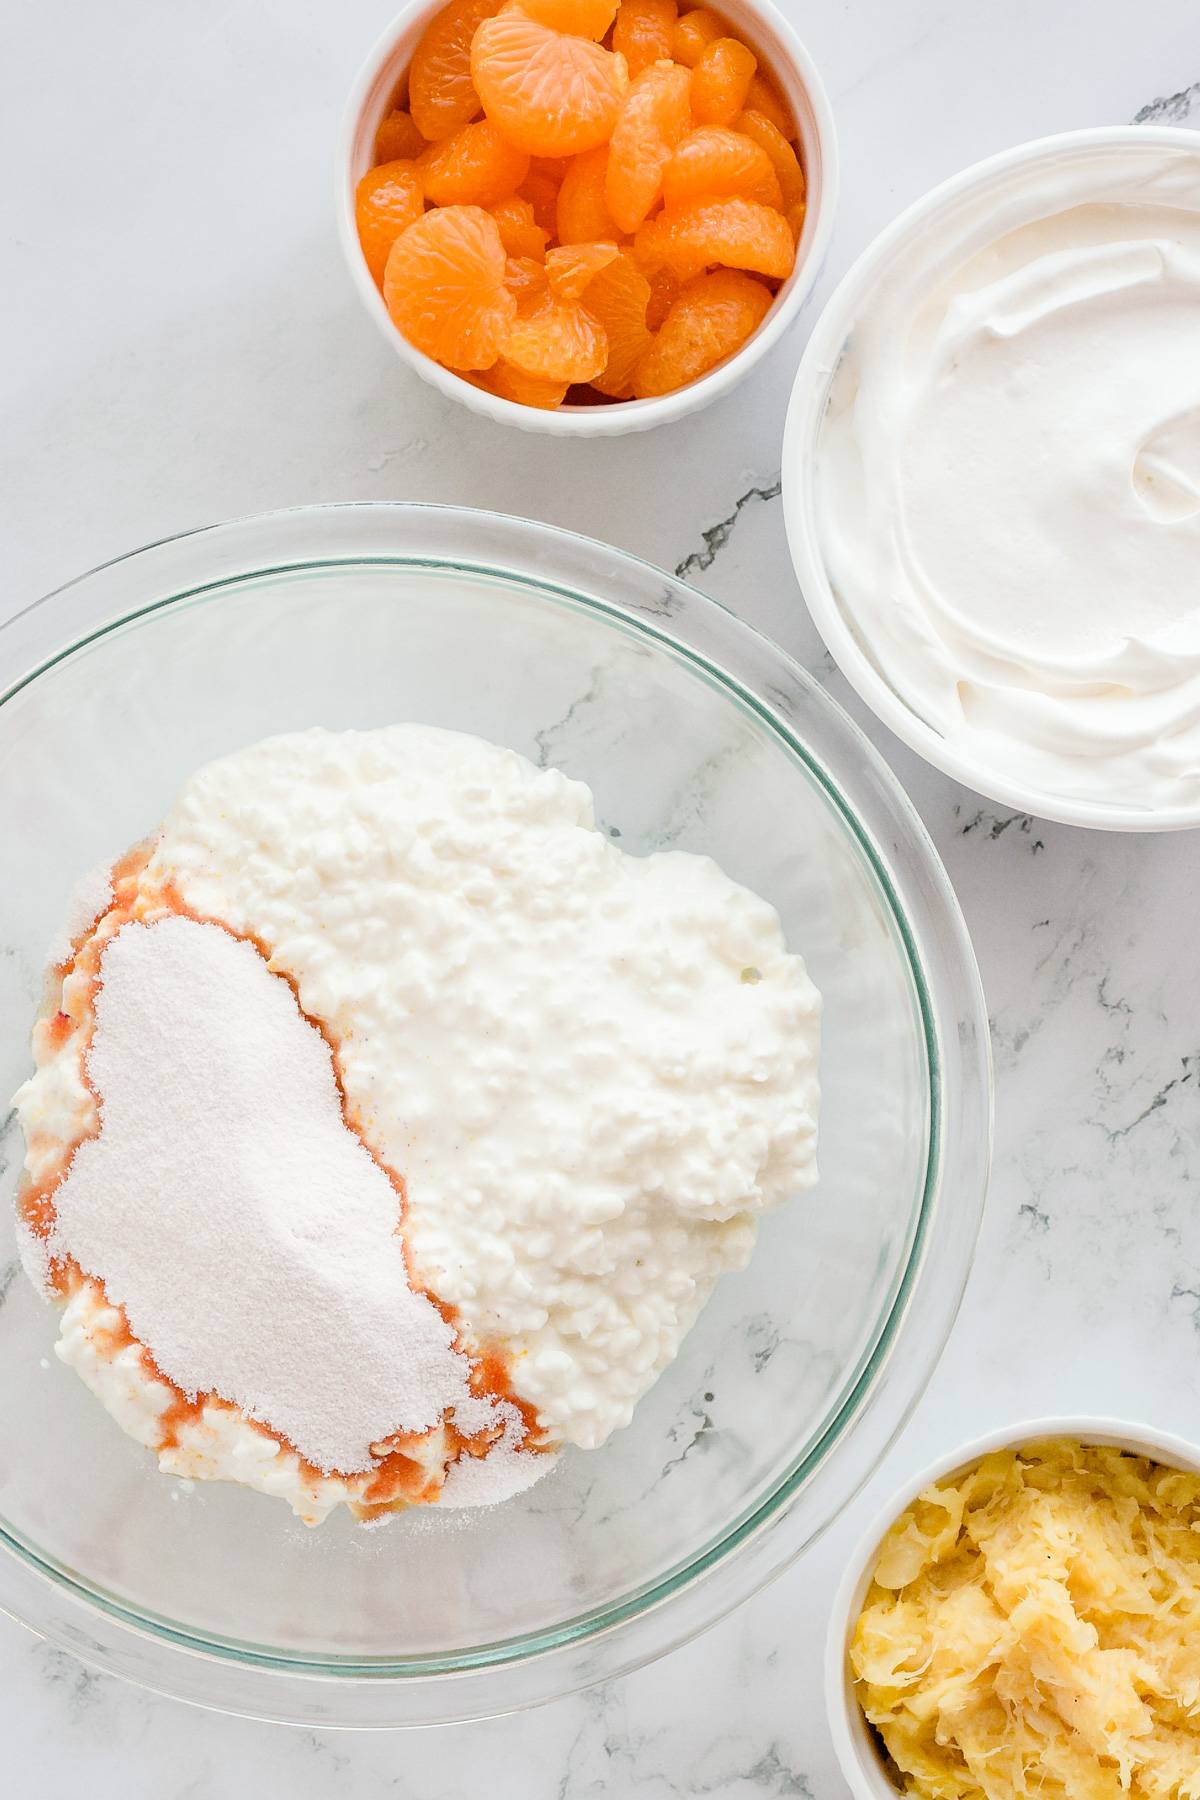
(501, 1114)
(992, 477)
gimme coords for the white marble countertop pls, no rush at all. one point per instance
(183, 345)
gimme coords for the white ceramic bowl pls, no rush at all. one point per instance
(769, 34)
(814, 380)
(853, 1739)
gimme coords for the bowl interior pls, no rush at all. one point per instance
(92, 748)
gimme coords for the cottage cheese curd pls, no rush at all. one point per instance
(1009, 473)
(591, 1073)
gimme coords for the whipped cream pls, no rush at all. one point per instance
(1008, 475)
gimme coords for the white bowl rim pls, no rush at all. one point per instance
(630, 415)
(805, 411)
(859, 1764)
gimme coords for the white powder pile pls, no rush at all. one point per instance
(229, 1209)
(92, 896)
(505, 1470)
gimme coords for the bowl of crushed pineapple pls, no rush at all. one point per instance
(1025, 1618)
(585, 217)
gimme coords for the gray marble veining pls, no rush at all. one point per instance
(1175, 109)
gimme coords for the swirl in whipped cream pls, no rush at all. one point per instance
(1009, 474)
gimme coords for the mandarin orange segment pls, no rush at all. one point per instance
(618, 297)
(525, 279)
(552, 167)
(695, 31)
(582, 214)
(398, 139)
(569, 269)
(387, 201)
(721, 80)
(784, 161)
(764, 97)
(653, 119)
(738, 233)
(642, 32)
(665, 289)
(542, 195)
(716, 161)
(709, 321)
(511, 383)
(550, 94)
(580, 18)
(520, 232)
(557, 342)
(441, 94)
(444, 287)
(475, 167)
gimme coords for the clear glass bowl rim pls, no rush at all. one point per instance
(503, 1676)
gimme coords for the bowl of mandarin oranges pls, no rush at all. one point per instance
(582, 216)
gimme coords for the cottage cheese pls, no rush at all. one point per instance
(592, 1071)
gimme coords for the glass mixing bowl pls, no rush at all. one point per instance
(694, 733)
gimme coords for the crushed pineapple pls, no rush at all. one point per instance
(1033, 1629)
